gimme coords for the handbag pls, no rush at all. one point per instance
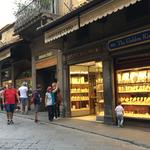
(59, 98)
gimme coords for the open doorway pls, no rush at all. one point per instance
(46, 76)
(86, 90)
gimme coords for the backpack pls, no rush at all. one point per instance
(36, 97)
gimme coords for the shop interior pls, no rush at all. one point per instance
(5, 73)
(134, 92)
(46, 76)
(86, 90)
(23, 73)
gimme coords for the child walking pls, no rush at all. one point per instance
(49, 103)
(119, 114)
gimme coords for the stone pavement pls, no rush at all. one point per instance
(27, 135)
(136, 135)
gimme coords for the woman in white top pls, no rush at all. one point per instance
(49, 103)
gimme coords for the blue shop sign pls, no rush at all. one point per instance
(129, 40)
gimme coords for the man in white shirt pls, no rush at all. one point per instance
(23, 92)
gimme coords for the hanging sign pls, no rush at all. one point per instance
(129, 40)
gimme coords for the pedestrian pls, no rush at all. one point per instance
(36, 99)
(49, 103)
(29, 98)
(23, 93)
(1, 99)
(10, 97)
(58, 99)
(119, 114)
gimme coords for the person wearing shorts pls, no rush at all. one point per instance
(36, 108)
(36, 98)
(10, 108)
(23, 92)
(9, 100)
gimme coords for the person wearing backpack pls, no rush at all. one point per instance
(36, 99)
(49, 103)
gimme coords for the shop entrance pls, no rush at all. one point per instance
(46, 76)
(86, 89)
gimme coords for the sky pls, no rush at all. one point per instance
(7, 8)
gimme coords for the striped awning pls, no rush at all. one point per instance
(87, 17)
(5, 54)
(104, 10)
(61, 30)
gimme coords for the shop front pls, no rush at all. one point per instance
(85, 84)
(86, 89)
(15, 69)
(91, 83)
(6, 77)
(45, 72)
(133, 90)
(132, 71)
(46, 69)
(6, 74)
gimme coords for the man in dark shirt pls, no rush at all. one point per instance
(36, 100)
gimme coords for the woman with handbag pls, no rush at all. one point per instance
(58, 99)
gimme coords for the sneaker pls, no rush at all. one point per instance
(54, 117)
(11, 122)
(121, 126)
(8, 122)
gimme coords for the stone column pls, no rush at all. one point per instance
(33, 73)
(60, 79)
(66, 91)
(109, 94)
(0, 74)
(13, 74)
(60, 69)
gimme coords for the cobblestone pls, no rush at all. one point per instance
(27, 135)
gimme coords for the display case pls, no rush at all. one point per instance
(86, 89)
(134, 92)
(99, 91)
(79, 91)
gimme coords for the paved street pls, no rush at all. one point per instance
(25, 134)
